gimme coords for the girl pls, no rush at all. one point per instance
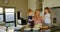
(30, 18)
(47, 16)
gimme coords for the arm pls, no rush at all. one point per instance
(48, 15)
(30, 19)
(42, 19)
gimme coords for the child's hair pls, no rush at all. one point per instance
(29, 10)
(47, 9)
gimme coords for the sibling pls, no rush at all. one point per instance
(30, 18)
(47, 16)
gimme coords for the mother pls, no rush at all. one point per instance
(37, 19)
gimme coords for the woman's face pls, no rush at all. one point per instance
(46, 11)
(37, 13)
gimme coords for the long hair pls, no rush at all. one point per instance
(35, 12)
(47, 8)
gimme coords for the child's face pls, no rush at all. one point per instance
(46, 11)
(31, 13)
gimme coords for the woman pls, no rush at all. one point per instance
(47, 16)
(37, 19)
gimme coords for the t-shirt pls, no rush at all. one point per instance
(29, 17)
(30, 20)
(47, 18)
(37, 20)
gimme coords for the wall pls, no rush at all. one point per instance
(21, 5)
(51, 3)
(34, 4)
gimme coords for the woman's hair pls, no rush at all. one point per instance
(35, 12)
(47, 8)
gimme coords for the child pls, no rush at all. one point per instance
(30, 18)
(47, 16)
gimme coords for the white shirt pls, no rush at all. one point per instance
(47, 18)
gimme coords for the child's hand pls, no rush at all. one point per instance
(30, 19)
(28, 23)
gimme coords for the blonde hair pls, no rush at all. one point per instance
(35, 12)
